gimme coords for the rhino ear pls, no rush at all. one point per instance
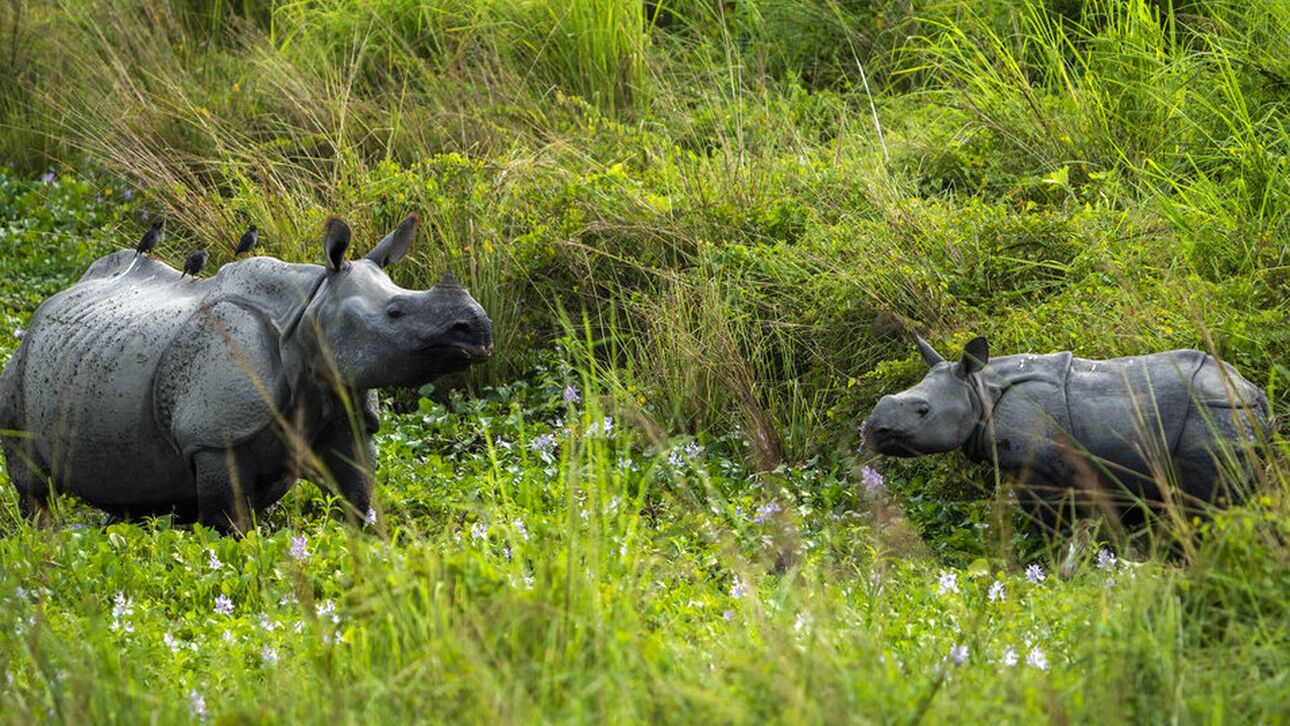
(336, 236)
(975, 355)
(930, 356)
(396, 244)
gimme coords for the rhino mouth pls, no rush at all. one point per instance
(890, 442)
(461, 354)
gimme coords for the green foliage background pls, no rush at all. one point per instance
(718, 220)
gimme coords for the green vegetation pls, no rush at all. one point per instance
(685, 210)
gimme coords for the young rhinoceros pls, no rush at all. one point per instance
(1081, 432)
(142, 393)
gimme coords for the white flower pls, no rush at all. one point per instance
(223, 605)
(328, 609)
(369, 519)
(802, 625)
(196, 705)
(170, 642)
(228, 637)
(520, 529)
(1035, 574)
(949, 582)
(1037, 659)
(996, 591)
(728, 615)
(1009, 657)
(959, 654)
(123, 608)
(479, 530)
(214, 560)
(738, 588)
(267, 624)
(269, 656)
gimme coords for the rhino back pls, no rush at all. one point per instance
(1131, 411)
(91, 360)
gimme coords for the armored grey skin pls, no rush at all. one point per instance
(1088, 433)
(144, 394)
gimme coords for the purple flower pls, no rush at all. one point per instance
(571, 394)
(49, 178)
(479, 530)
(728, 615)
(766, 511)
(128, 194)
(948, 582)
(1037, 659)
(959, 654)
(604, 427)
(543, 445)
(1035, 574)
(738, 588)
(369, 519)
(873, 481)
(1106, 559)
(299, 551)
(269, 656)
(214, 560)
(223, 605)
(520, 529)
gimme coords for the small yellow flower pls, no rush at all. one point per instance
(237, 86)
(203, 111)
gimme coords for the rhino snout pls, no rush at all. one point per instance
(892, 421)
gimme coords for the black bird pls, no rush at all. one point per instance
(195, 261)
(150, 239)
(248, 240)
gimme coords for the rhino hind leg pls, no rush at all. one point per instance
(29, 480)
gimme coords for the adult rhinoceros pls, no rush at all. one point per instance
(144, 393)
(1108, 433)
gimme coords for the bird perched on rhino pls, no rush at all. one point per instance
(151, 239)
(249, 238)
(195, 262)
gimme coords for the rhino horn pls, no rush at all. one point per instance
(336, 237)
(449, 280)
(396, 244)
(930, 356)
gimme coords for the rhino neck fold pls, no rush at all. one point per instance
(986, 393)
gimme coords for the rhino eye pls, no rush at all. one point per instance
(923, 410)
(461, 328)
(394, 312)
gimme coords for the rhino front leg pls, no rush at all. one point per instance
(349, 456)
(222, 491)
(349, 459)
